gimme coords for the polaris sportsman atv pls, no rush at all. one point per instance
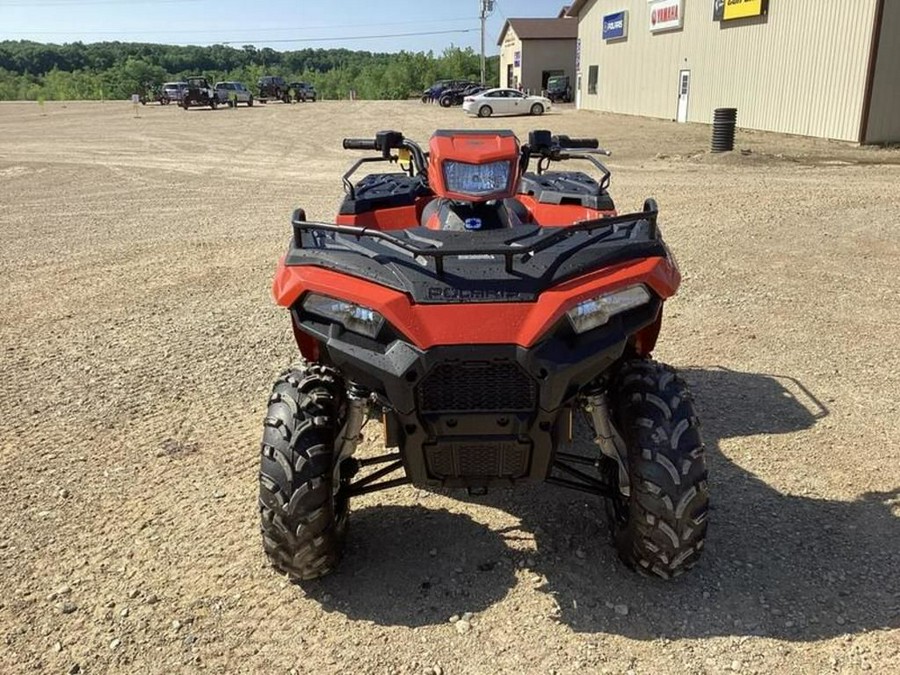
(477, 308)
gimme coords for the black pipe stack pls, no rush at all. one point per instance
(724, 121)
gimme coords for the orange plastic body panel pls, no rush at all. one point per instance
(546, 215)
(472, 149)
(522, 324)
(403, 217)
(397, 218)
(559, 215)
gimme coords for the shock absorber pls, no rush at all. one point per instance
(607, 437)
(357, 410)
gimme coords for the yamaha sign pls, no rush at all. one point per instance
(666, 15)
(615, 26)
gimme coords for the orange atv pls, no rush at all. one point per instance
(476, 308)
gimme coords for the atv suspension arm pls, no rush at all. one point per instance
(583, 482)
(370, 483)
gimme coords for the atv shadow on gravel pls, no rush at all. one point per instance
(414, 566)
(780, 565)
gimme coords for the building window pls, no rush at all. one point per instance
(593, 73)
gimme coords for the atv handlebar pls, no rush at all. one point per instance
(359, 144)
(541, 144)
(578, 143)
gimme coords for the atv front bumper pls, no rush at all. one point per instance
(477, 415)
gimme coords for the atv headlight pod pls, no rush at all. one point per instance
(597, 311)
(476, 179)
(355, 318)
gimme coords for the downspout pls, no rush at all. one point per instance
(870, 76)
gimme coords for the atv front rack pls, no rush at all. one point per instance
(509, 252)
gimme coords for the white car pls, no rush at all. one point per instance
(505, 102)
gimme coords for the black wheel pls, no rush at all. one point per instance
(426, 99)
(250, 102)
(537, 109)
(446, 101)
(213, 103)
(185, 103)
(303, 517)
(485, 111)
(659, 529)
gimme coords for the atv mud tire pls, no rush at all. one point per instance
(660, 528)
(303, 519)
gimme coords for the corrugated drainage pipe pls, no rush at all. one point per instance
(724, 121)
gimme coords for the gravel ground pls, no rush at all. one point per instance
(139, 340)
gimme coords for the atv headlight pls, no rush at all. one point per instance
(476, 179)
(597, 311)
(354, 318)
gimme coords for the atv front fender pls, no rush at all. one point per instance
(472, 323)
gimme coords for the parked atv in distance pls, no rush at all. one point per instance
(199, 93)
(478, 309)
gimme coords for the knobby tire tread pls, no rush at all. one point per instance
(667, 510)
(303, 526)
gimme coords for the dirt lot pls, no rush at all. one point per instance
(138, 342)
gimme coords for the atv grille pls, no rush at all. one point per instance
(499, 459)
(477, 386)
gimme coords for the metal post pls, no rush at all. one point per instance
(483, 16)
(487, 6)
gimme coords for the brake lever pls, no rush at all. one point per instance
(593, 151)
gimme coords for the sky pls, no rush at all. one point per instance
(371, 25)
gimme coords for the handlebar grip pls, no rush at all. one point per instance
(578, 143)
(359, 144)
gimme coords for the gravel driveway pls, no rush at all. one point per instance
(138, 342)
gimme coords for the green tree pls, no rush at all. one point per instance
(119, 69)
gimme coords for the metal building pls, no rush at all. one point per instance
(828, 68)
(534, 50)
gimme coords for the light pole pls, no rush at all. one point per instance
(487, 6)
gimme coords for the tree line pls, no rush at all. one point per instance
(116, 70)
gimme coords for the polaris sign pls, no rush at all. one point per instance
(615, 26)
